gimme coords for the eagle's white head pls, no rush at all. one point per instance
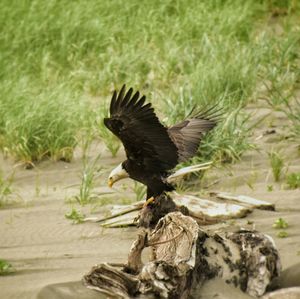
(117, 174)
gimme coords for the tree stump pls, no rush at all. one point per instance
(184, 256)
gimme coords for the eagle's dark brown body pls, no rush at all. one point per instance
(155, 181)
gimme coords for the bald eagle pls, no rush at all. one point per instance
(152, 149)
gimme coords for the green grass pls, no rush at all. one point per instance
(90, 171)
(75, 215)
(277, 164)
(5, 267)
(281, 69)
(293, 180)
(280, 223)
(5, 187)
(60, 60)
(111, 142)
(282, 234)
(40, 123)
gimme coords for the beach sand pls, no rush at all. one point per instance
(45, 248)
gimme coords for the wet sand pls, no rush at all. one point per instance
(45, 248)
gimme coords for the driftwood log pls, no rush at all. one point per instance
(219, 206)
(184, 256)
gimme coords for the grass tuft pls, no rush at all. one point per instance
(282, 234)
(111, 142)
(40, 124)
(293, 180)
(280, 223)
(277, 164)
(90, 171)
(5, 187)
(75, 215)
(5, 267)
(228, 141)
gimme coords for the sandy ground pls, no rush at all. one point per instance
(45, 248)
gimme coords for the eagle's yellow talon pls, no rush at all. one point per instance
(148, 201)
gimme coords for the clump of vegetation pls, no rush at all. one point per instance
(293, 180)
(88, 133)
(280, 223)
(90, 171)
(110, 140)
(228, 141)
(282, 72)
(277, 164)
(289, 105)
(39, 123)
(5, 187)
(5, 267)
(75, 215)
(278, 7)
(282, 234)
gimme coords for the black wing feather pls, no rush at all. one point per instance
(145, 139)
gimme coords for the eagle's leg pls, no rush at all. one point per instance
(150, 197)
(148, 201)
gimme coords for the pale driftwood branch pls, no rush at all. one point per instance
(135, 264)
(122, 220)
(184, 256)
(204, 211)
(245, 200)
(211, 210)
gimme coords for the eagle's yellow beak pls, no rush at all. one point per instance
(110, 182)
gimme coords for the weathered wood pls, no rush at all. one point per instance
(112, 281)
(245, 200)
(211, 210)
(184, 256)
(134, 263)
(125, 220)
(204, 211)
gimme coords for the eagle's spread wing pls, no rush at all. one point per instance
(145, 139)
(188, 134)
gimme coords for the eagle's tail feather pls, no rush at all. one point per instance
(186, 170)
